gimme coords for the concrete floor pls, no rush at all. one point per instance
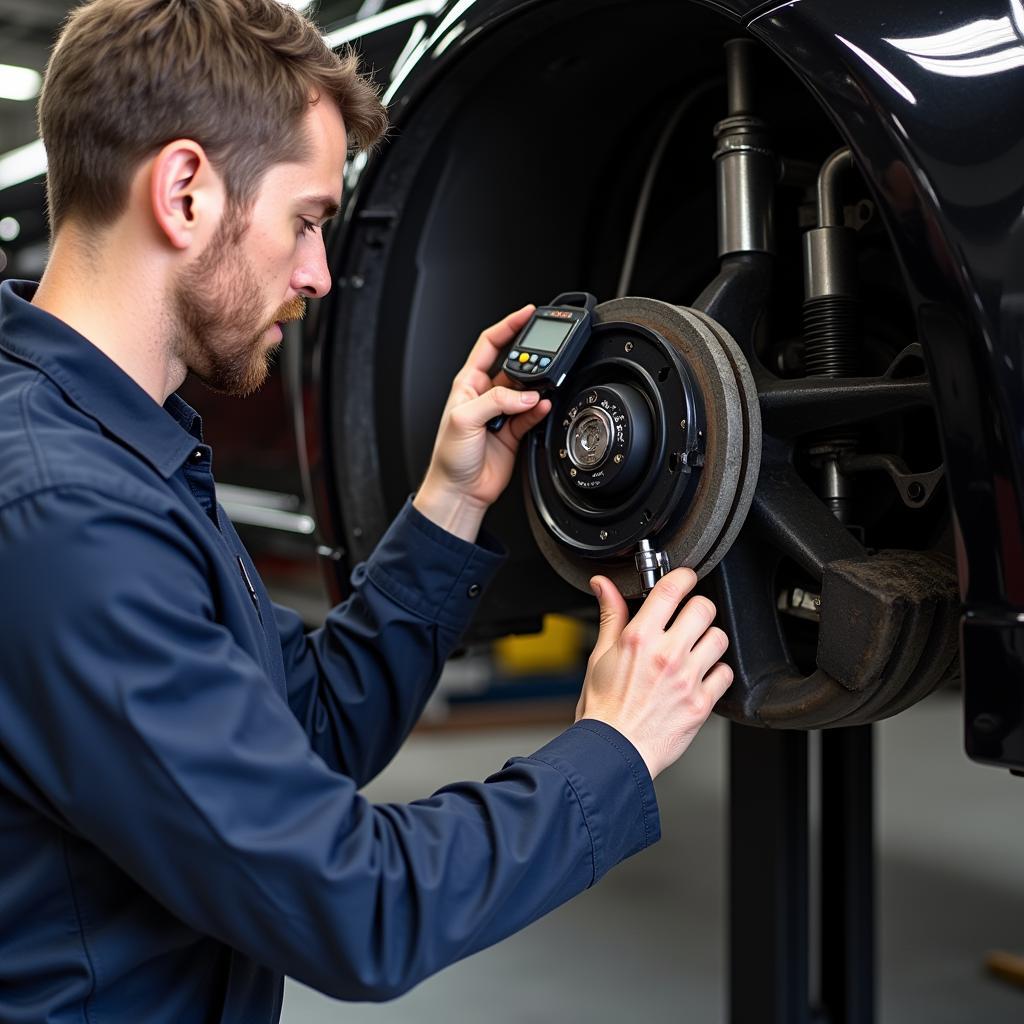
(647, 943)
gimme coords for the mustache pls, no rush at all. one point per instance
(293, 309)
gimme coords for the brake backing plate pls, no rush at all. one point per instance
(656, 435)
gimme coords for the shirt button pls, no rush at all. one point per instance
(473, 590)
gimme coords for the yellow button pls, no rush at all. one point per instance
(524, 357)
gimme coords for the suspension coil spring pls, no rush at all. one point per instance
(831, 326)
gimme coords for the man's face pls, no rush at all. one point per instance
(228, 304)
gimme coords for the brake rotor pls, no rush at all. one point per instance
(656, 435)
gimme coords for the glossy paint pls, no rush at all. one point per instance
(930, 100)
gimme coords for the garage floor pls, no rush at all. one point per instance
(647, 943)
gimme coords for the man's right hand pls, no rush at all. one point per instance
(655, 685)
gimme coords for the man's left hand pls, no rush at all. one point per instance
(471, 466)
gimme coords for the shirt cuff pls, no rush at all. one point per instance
(613, 787)
(430, 571)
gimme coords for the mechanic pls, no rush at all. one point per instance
(180, 763)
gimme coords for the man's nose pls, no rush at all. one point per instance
(312, 276)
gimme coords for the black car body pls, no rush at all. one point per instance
(524, 133)
(874, 543)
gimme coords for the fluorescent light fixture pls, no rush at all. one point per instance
(392, 16)
(399, 75)
(449, 39)
(22, 163)
(19, 83)
(9, 229)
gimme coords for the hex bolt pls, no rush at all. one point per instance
(682, 423)
(572, 472)
(562, 453)
(603, 535)
(592, 397)
(629, 346)
(618, 458)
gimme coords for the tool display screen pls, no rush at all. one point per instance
(546, 335)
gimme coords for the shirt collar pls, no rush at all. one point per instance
(96, 384)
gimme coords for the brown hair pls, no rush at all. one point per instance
(237, 76)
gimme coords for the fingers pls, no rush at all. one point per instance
(707, 650)
(520, 425)
(614, 614)
(494, 338)
(661, 603)
(475, 413)
(718, 681)
(697, 614)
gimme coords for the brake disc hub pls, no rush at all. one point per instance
(609, 438)
(656, 436)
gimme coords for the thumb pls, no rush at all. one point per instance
(614, 614)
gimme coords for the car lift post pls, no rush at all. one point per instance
(769, 942)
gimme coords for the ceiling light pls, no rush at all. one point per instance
(19, 83)
(22, 163)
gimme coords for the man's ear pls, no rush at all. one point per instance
(185, 193)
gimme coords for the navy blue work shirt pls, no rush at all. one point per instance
(180, 763)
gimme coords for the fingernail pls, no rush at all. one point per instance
(529, 397)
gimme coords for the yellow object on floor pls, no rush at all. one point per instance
(557, 649)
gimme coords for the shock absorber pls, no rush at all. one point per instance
(746, 165)
(831, 319)
(831, 328)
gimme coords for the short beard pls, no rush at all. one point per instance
(215, 302)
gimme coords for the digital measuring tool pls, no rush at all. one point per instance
(545, 349)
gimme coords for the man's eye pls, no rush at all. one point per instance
(308, 226)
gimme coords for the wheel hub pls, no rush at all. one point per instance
(658, 437)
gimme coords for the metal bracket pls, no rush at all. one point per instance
(915, 489)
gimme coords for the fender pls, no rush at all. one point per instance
(927, 102)
(923, 99)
